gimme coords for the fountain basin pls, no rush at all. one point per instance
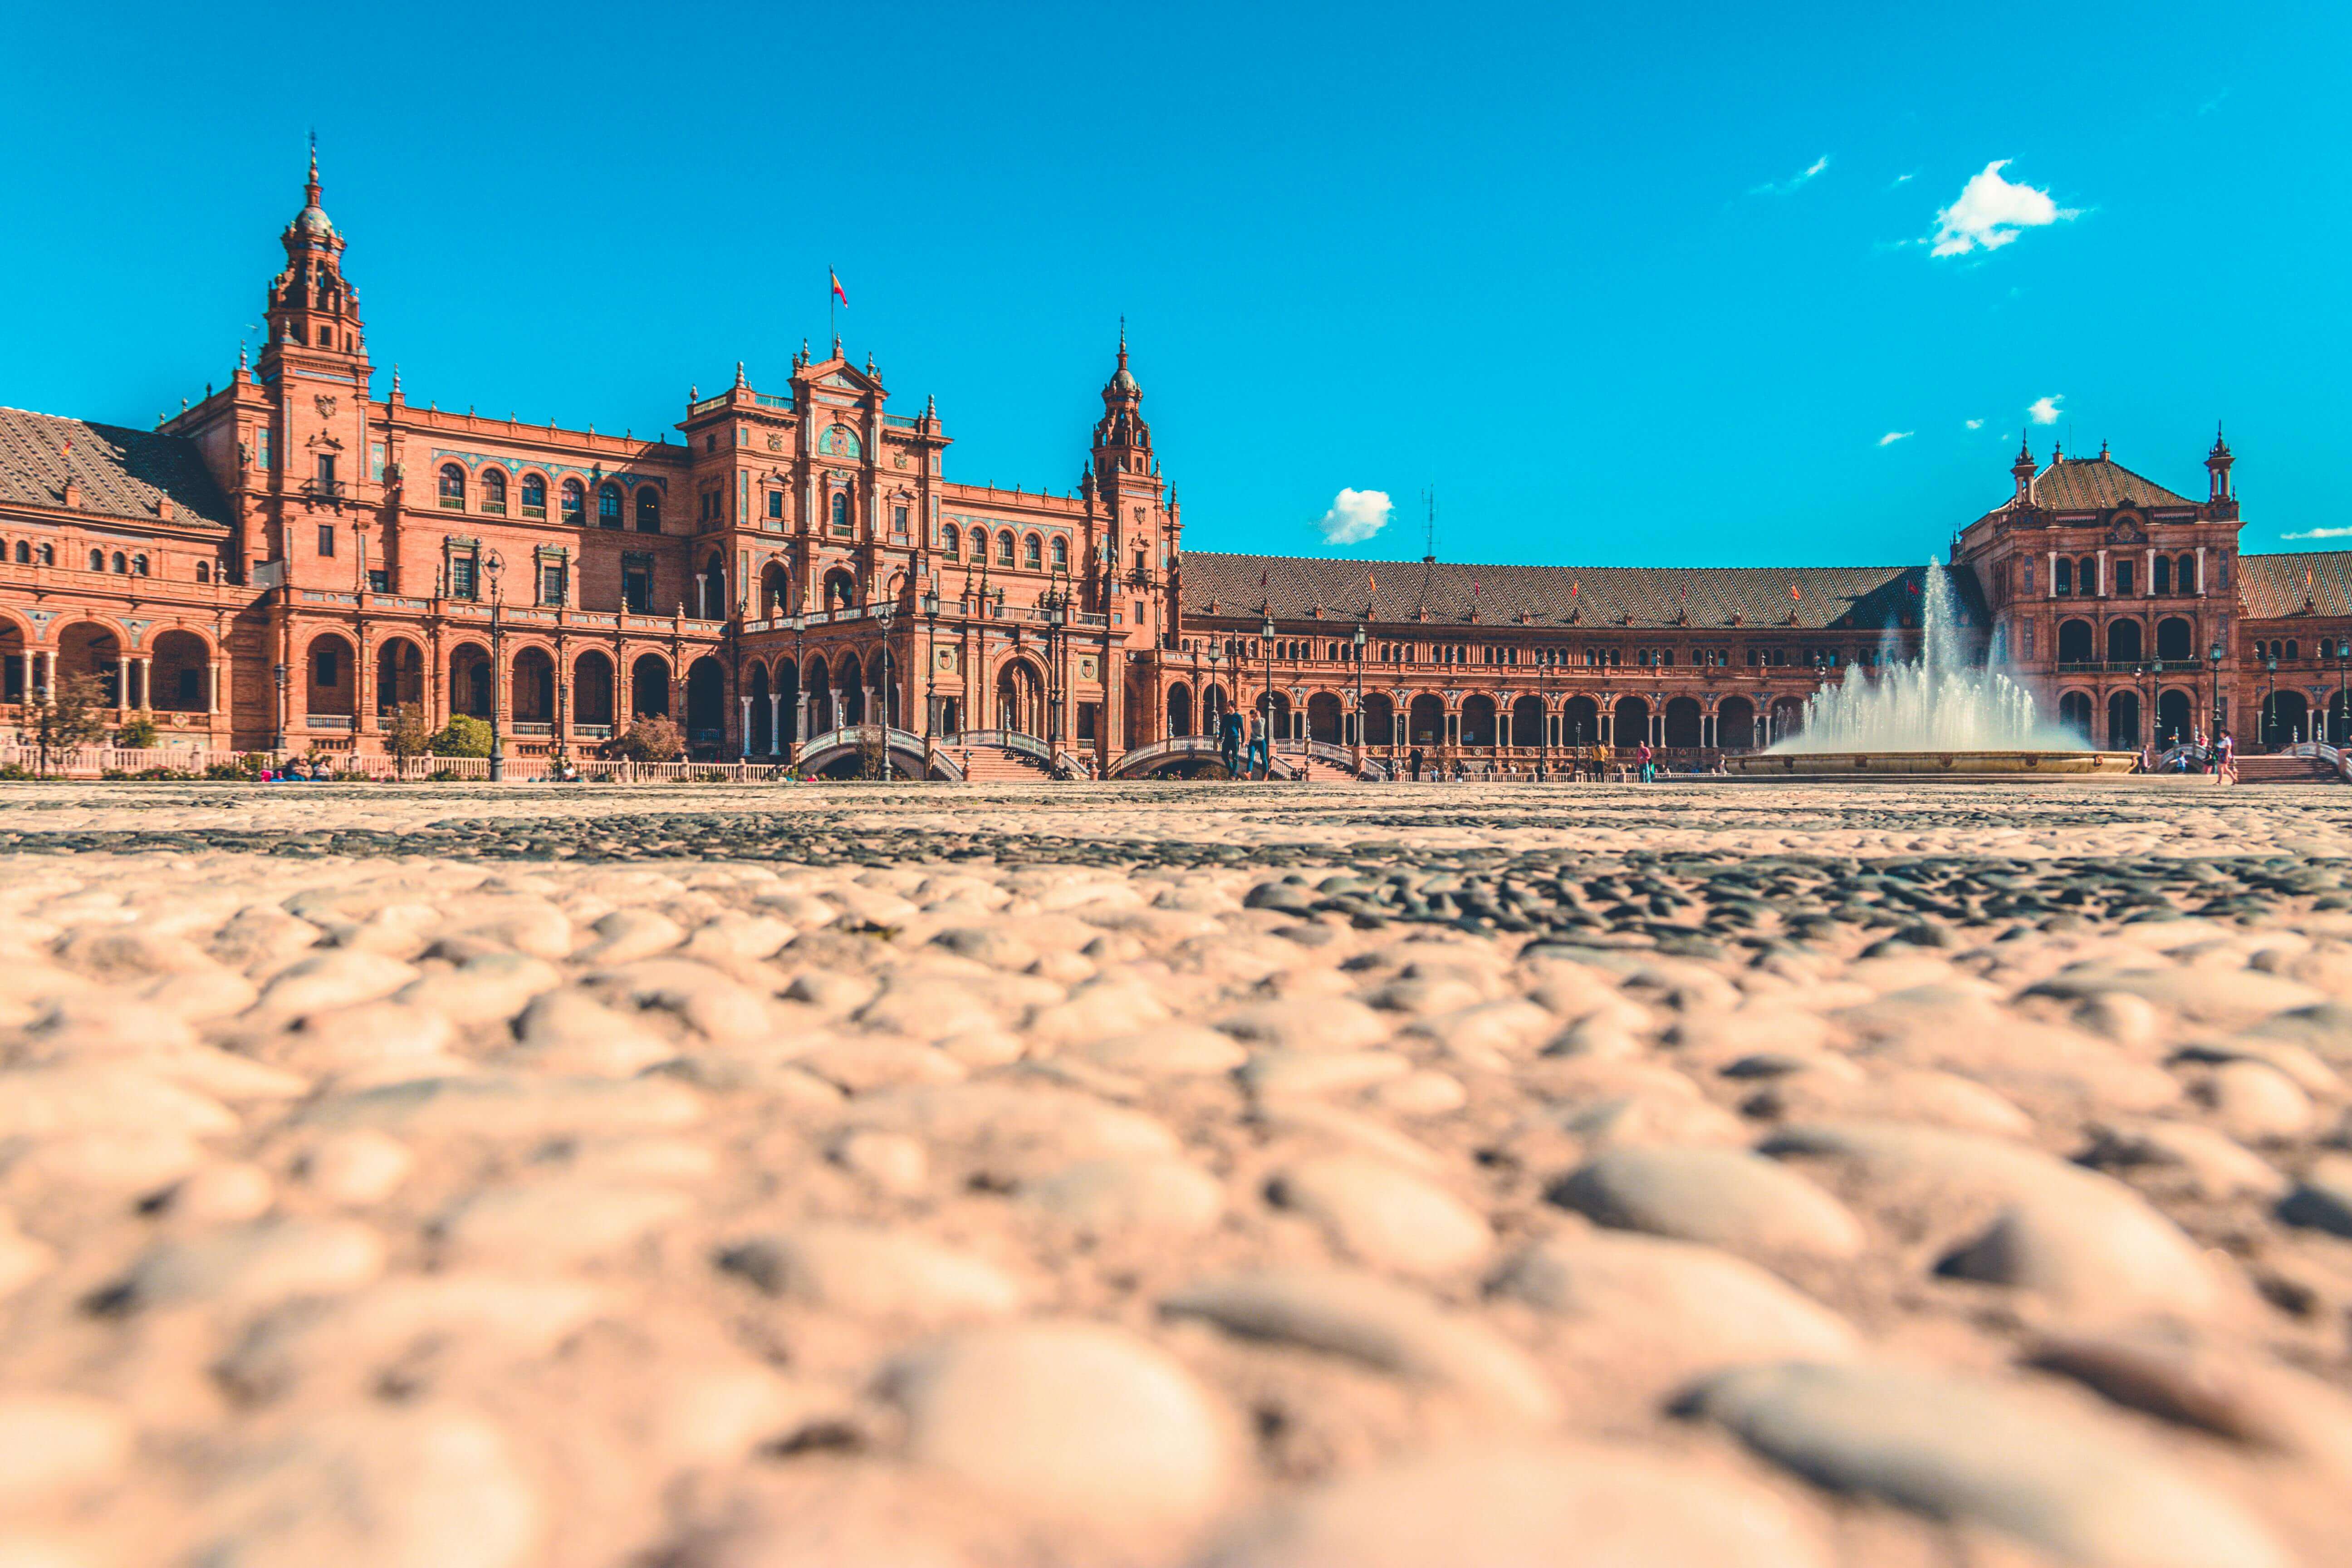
(2021, 767)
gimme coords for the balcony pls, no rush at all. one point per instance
(327, 720)
(533, 727)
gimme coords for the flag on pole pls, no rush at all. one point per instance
(1262, 575)
(1795, 592)
(1373, 582)
(838, 291)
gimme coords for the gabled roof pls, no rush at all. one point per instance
(122, 473)
(2097, 484)
(2270, 586)
(1865, 597)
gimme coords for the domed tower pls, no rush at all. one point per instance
(1135, 537)
(310, 305)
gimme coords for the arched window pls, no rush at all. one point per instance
(121, 564)
(2187, 573)
(204, 572)
(608, 506)
(2065, 580)
(1005, 547)
(2293, 649)
(97, 560)
(1061, 555)
(2161, 575)
(494, 490)
(48, 555)
(534, 495)
(139, 566)
(841, 514)
(453, 486)
(2086, 575)
(575, 502)
(950, 544)
(23, 553)
(649, 511)
(1032, 553)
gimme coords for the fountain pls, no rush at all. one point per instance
(1941, 713)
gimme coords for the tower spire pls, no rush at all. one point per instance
(311, 186)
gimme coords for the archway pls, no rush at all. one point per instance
(849, 692)
(2122, 719)
(2075, 642)
(1179, 711)
(1426, 722)
(2074, 713)
(2173, 722)
(1214, 706)
(2175, 638)
(761, 731)
(2339, 718)
(775, 589)
(1683, 726)
(1275, 709)
(399, 677)
(1631, 725)
(1787, 718)
(649, 687)
(1377, 720)
(840, 590)
(531, 689)
(1478, 719)
(2123, 641)
(1324, 720)
(591, 690)
(90, 651)
(1527, 722)
(330, 685)
(705, 702)
(1021, 699)
(712, 591)
(1580, 722)
(788, 702)
(469, 680)
(182, 677)
(820, 699)
(1734, 724)
(2285, 717)
(15, 664)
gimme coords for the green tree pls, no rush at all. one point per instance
(138, 731)
(407, 736)
(653, 740)
(462, 736)
(69, 715)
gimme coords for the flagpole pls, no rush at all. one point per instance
(832, 327)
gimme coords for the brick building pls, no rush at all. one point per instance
(287, 562)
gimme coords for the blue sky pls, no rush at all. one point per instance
(1625, 284)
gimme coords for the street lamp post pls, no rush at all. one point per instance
(888, 689)
(798, 621)
(2269, 702)
(2147, 673)
(2214, 654)
(1266, 642)
(2337, 719)
(1212, 723)
(930, 663)
(281, 711)
(1359, 700)
(496, 565)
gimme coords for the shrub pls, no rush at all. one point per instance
(462, 736)
(407, 736)
(655, 739)
(246, 767)
(138, 732)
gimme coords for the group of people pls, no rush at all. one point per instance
(1243, 759)
(2219, 757)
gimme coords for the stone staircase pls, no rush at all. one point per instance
(2286, 770)
(998, 764)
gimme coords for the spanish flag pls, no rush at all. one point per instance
(838, 291)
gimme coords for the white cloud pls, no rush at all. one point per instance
(1903, 179)
(2320, 533)
(2046, 410)
(1991, 212)
(1793, 182)
(1975, 423)
(1355, 516)
(1894, 435)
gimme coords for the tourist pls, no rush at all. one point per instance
(1415, 759)
(1229, 732)
(2229, 763)
(1258, 759)
(1647, 758)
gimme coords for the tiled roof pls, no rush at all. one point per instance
(122, 473)
(2086, 484)
(2270, 586)
(1395, 591)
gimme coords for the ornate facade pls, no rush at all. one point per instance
(288, 561)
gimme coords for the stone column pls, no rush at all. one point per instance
(775, 723)
(2148, 579)
(745, 750)
(2200, 571)
(212, 684)
(146, 680)
(121, 681)
(2103, 574)
(2049, 588)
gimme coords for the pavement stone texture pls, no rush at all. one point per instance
(1258, 1176)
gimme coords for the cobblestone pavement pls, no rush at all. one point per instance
(1284, 1176)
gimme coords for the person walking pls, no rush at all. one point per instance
(1257, 751)
(1415, 759)
(1643, 755)
(1229, 739)
(2229, 758)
